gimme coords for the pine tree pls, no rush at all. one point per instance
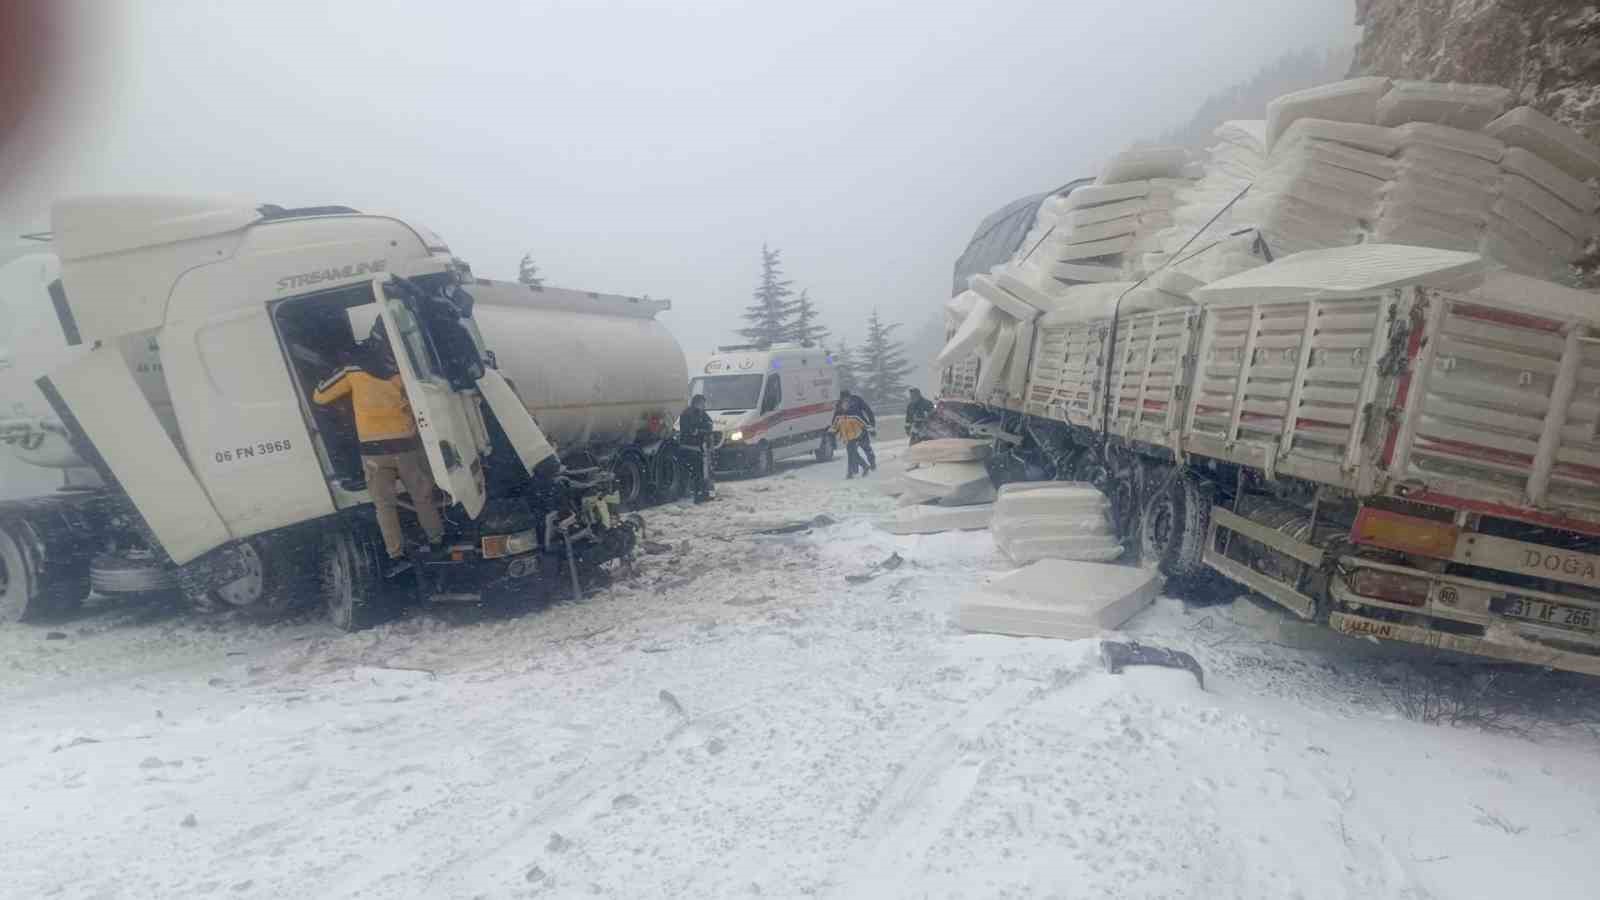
(528, 273)
(804, 328)
(844, 362)
(769, 314)
(882, 367)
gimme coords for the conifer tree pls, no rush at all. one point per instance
(804, 329)
(528, 273)
(768, 316)
(881, 366)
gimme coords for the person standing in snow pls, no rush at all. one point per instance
(855, 406)
(390, 448)
(918, 411)
(694, 441)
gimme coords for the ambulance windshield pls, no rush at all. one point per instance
(728, 392)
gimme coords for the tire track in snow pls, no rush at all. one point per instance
(924, 797)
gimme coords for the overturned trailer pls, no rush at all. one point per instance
(1399, 442)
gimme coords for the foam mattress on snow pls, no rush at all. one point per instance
(934, 519)
(941, 450)
(1060, 599)
(1539, 171)
(1351, 100)
(1469, 106)
(1559, 145)
(952, 484)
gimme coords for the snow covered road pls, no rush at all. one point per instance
(737, 720)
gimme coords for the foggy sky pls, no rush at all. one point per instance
(646, 147)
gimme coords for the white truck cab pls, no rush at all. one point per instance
(198, 330)
(768, 403)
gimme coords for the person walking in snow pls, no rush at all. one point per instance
(850, 429)
(694, 442)
(391, 451)
(918, 411)
(856, 406)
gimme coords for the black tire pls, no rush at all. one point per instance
(629, 472)
(1174, 525)
(668, 480)
(350, 570)
(764, 464)
(29, 591)
(279, 574)
(826, 449)
(21, 597)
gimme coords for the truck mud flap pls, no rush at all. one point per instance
(117, 431)
(1282, 594)
(1530, 654)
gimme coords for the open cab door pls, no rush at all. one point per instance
(448, 419)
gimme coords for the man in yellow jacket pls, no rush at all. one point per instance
(390, 448)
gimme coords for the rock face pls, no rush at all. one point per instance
(1546, 51)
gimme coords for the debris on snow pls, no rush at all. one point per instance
(189, 821)
(1118, 655)
(926, 519)
(952, 483)
(940, 450)
(879, 568)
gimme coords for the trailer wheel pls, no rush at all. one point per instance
(667, 482)
(1174, 526)
(351, 570)
(764, 464)
(629, 472)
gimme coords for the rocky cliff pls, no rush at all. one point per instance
(1547, 51)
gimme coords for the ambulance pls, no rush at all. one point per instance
(768, 403)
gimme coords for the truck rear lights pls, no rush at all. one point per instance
(1408, 534)
(1406, 590)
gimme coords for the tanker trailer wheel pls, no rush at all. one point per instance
(351, 571)
(629, 472)
(763, 465)
(668, 480)
(1174, 526)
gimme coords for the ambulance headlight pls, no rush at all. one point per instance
(736, 436)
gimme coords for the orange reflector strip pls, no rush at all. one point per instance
(1407, 534)
(494, 546)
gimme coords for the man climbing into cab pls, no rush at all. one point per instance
(694, 442)
(918, 411)
(390, 448)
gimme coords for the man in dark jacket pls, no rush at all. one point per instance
(694, 441)
(918, 411)
(855, 406)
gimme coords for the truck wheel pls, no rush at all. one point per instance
(277, 575)
(28, 591)
(824, 452)
(629, 472)
(351, 570)
(20, 597)
(1175, 524)
(669, 482)
(764, 464)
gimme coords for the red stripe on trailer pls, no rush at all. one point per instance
(1505, 511)
(1505, 317)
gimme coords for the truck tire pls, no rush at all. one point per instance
(31, 589)
(280, 576)
(1175, 523)
(668, 482)
(629, 472)
(763, 464)
(351, 574)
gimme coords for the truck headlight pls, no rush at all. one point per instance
(736, 436)
(496, 546)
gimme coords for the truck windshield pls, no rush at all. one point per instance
(724, 392)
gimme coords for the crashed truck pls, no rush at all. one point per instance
(1402, 443)
(178, 409)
